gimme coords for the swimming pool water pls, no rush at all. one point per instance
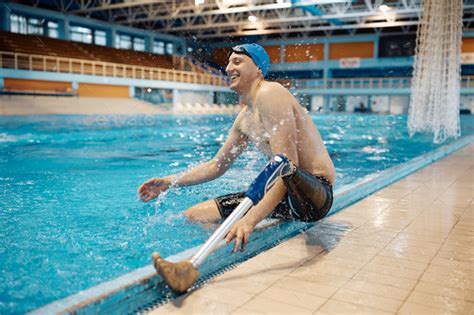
(69, 214)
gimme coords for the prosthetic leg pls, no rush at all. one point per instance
(182, 275)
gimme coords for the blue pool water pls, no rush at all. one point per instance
(69, 214)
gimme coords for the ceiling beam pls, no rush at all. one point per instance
(380, 25)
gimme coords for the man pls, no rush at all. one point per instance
(273, 120)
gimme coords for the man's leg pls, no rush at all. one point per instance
(180, 276)
(310, 196)
(206, 211)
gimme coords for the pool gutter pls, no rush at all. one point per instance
(142, 287)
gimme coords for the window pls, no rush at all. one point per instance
(100, 38)
(81, 34)
(123, 41)
(53, 29)
(36, 26)
(18, 24)
(87, 35)
(169, 48)
(138, 44)
(32, 25)
(158, 47)
(397, 46)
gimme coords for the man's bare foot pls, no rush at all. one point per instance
(178, 276)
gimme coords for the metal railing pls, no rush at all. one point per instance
(20, 61)
(366, 83)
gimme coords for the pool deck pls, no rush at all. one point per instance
(407, 249)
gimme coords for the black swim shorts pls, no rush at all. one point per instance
(308, 199)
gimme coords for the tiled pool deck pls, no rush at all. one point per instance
(407, 249)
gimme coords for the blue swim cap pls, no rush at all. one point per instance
(258, 55)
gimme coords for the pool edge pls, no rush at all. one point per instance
(122, 286)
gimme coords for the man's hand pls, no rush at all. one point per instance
(152, 188)
(241, 232)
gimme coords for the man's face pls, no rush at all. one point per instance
(242, 72)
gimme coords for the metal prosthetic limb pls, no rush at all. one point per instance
(181, 276)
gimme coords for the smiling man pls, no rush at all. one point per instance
(272, 119)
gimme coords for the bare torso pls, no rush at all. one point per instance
(312, 154)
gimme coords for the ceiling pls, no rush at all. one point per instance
(218, 19)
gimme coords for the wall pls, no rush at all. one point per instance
(399, 104)
(323, 53)
(467, 102)
(304, 52)
(351, 50)
(192, 97)
(220, 56)
(380, 104)
(37, 85)
(99, 90)
(467, 45)
(388, 104)
(317, 102)
(353, 102)
(275, 53)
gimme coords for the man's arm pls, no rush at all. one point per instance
(236, 142)
(234, 145)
